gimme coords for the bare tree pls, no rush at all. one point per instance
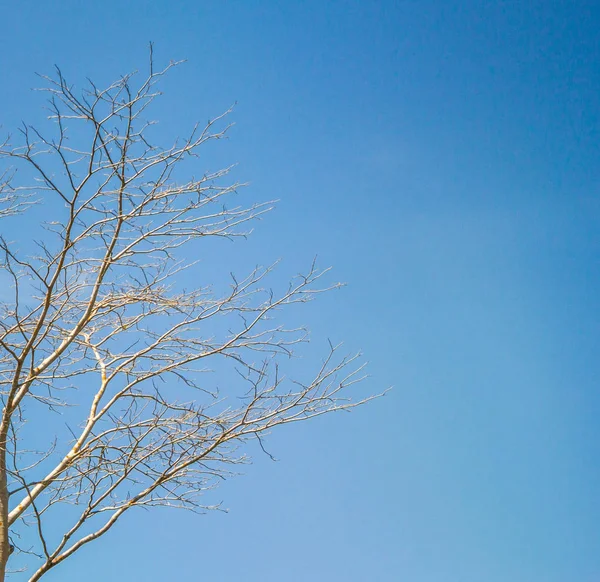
(97, 325)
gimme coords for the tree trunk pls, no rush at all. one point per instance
(4, 542)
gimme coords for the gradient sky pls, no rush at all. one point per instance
(443, 157)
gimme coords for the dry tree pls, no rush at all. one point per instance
(96, 325)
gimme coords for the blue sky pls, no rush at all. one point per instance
(443, 157)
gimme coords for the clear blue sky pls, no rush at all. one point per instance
(443, 156)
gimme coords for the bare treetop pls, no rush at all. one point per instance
(97, 326)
